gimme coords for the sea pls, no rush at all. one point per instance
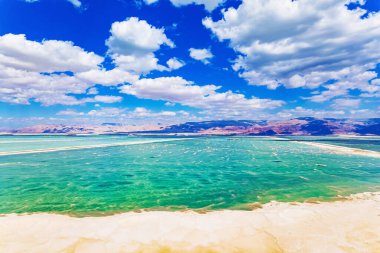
(107, 174)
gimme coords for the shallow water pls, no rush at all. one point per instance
(199, 173)
(23, 143)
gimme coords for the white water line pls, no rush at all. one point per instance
(86, 147)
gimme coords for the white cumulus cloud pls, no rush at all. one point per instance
(174, 63)
(142, 112)
(132, 45)
(204, 55)
(53, 72)
(208, 4)
(134, 36)
(76, 3)
(178, 90)
(107, 99)
(345, 80)
(284, 42)
(346, 103)
(46, 56)
(70, 112)
(107, 77)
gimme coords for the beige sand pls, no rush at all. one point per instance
(343, 226)
(342, 150)
(45, 150)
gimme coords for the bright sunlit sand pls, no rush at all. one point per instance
(351, 226)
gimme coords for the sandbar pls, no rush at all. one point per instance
(45, 150)
(342, 150)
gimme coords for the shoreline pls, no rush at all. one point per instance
(246, 207)
(335, 149)
(46, 150)
(351, 225)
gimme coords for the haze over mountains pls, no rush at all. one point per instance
(297, 126)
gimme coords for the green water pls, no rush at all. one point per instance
(199, 173)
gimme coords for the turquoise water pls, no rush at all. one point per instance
(21, 143)
(199, 173)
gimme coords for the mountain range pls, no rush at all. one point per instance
(296, 126)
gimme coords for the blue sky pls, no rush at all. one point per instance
(169, 61)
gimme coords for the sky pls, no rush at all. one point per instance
(170, 61)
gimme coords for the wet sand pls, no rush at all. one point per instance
(351, 225)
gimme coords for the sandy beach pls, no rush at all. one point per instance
(351, 225)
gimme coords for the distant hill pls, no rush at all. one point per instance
(297, 126)
(195, 127)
